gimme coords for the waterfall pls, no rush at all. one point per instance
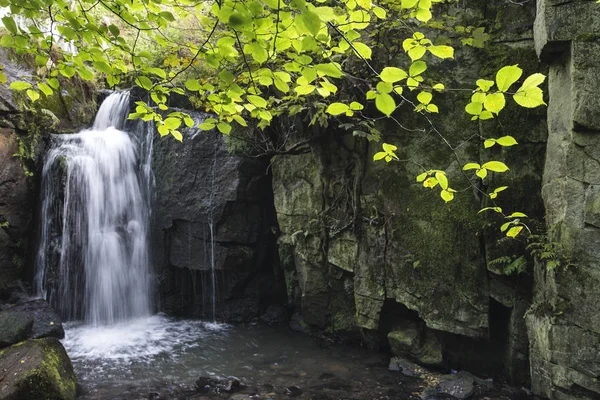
(93, 258)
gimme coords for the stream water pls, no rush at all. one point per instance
(159, 355)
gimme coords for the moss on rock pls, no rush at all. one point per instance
(37, 369)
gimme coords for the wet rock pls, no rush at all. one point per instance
(412, 339)
(232, 386)
(14, 328)
(406, 367)
(46, 322)
(459, 386)
(463, 385)
(293, 391)
(205, 385)
(36, 369)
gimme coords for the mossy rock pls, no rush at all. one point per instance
(36, 369)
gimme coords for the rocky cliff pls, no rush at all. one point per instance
(369, 252)
(564, 323)
(213, 230)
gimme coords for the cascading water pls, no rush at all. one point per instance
(93, 262)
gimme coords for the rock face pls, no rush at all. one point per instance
(213, 230)
(22, 132)
(36, 369)
(367, 248)
(563, 324)
(15, 209)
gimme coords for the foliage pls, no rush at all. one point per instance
(265, 59)
(550, 253)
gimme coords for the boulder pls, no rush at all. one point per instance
(36, 369)
(14, 327)
(46, 322)
(412, 339)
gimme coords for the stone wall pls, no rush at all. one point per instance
(564, 323)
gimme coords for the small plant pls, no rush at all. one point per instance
(510, 264)
(548, 252)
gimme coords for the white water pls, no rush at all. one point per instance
(93, 262)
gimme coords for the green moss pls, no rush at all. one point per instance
(587, 37)
(45, 381)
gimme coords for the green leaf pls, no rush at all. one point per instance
(392, 74)
(103, 67)
(193, 85)
(425, 98)
(86, 74)
(471, 166)
(10, 25)
(417, 68)
(226, 76)
(311, 22)
(189, 122)
(442, 180)
(177, 135)
(482, 173)
(416, 52)
(330, 69)
(379, 156)
(363, 50)
(166, 15)
(530, 97)
(432, 108)
(533, 81)
(257, 101)
(442, 51)
(489, 143)
(506, 141)
(514, 231)
(172, 123)
(304, 89)
(495, 102)
(356, 106)
(144, 82)
(224, 127)
(421, 177)
(47, 90)
(114, 30)
(484, 84)
(258, 52)
(506, 76)
(163, 130)
(517, 215)
(474, 108)
(385, 103)
(379, 12)
(206, 126)
(446, 195)
(423, 15)
(495, 209)
(53, 82)
(384, 87)
(337, 108)
(20, 85)
(33, 94)
(495, 166)
(389, 148)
